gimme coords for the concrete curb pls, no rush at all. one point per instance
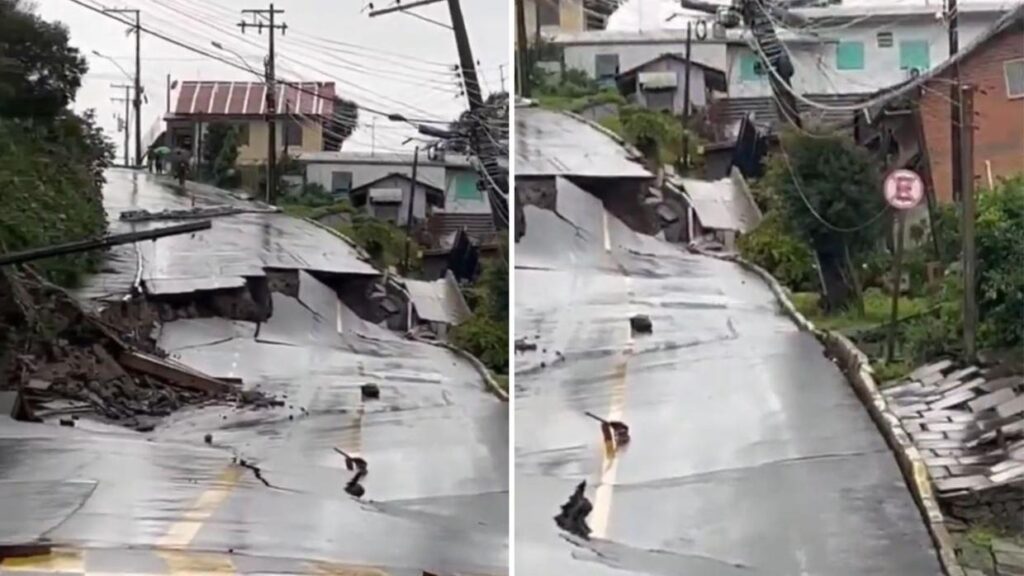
(857, 367)
(492, 384)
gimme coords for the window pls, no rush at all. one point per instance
(293, 134)
(549, 13)
(659, 99)
(606, 66)
(751, 68)
(884, 39)
(341, 183)
(1014, 70)
(243, 134)
(914, 55)
(850, 56)
(466, 188)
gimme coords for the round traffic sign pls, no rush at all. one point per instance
(904, 189)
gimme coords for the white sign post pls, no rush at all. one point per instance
(903, 190)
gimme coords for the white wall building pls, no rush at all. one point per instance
(341, 172)
(844, 49)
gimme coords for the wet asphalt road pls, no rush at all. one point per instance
(164, 502)
(750, 454)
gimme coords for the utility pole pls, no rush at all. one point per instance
(686, 98)
(953, 21)
(137, 102)
(127, 102)
(265, 19)
(501, 72)
(409, 215)
(524, 50)
(970, 263)
(483, 145)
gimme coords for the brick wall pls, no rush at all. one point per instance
(999, 136)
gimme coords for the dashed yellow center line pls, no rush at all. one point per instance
(182, 532)
(609, 461)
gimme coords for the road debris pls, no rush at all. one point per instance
(573, 517)
(613, 431)
(105, 362)
(370, 391)
(523, 346)
(641, 324)
(354, 488)
(352, 462)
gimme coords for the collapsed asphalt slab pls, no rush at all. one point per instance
(749, 453)
(258, 487)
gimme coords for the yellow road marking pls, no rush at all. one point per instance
(182, 532)
(326, 569)
(182, 562)
(607, 236)
(609, 461)
(59, 560)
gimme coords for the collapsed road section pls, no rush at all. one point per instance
(747, 452)
(281, 310)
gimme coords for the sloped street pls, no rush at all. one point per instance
(750, 454)
(227, 488)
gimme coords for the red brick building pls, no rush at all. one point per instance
(918, 113)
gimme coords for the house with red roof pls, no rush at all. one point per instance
(309, 117)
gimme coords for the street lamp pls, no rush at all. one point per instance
(114, 62)
(245, 63)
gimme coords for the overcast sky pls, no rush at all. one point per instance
(394, 62)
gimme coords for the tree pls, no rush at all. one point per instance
(657, 135)
(40, 73)
(220, 153)
(341, 125)
(830, 194)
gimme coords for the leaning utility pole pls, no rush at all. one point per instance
(773, 54)
(410, 214)
(524, 50)
(127, 101)
(953, 21)
(686, 98)
(137, 103)
(258, 17)
(481, 142)
(970, 262)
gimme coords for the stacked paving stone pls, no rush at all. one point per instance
(969, 428)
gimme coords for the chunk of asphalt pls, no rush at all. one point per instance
(67, 422)
(370, 391)
(208, 438)
(641, 324)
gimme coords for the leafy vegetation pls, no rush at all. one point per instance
(877, 310)
(773, 247)
(220, 153)
(485, 334)
(383, 241)
(51, 159)
(827, 190)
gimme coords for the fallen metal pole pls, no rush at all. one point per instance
(100, 243)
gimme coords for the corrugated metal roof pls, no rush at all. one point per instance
(552, 143)
(720, 204)
(390, 158)
(731, 110)
(249, 99)
(438, 301)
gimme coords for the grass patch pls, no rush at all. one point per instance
(502, 380)
(890, 371)
(877, 308)
(299, 210)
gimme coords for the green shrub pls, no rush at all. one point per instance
(772, 247)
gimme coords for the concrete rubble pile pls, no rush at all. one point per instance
(62, 361)
(968, 424)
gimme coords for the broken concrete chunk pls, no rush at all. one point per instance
(523, 346)
(370, 391)
(573, 517)
(641, 323)
(208, 438)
